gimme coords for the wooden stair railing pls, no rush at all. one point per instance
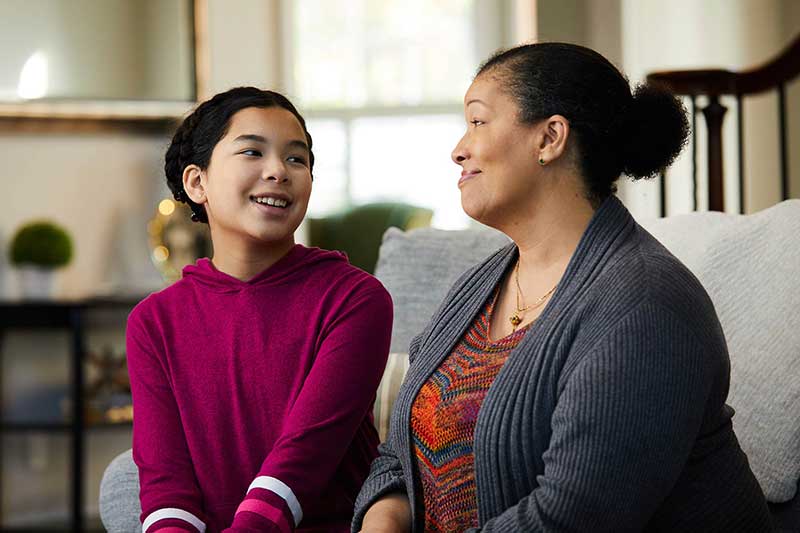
(715, 83)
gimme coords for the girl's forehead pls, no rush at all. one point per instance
(266, 121)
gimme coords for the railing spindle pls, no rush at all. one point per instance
(784, 153)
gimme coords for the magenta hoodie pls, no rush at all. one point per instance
(253, 400)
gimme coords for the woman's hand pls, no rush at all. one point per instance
(390, 514)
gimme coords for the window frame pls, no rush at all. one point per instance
(495, 14)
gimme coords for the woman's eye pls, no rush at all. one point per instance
(252, 153)
(297, 159)
(476, 122)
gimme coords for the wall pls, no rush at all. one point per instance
(163, 45)
(642, 36)
(592, 23)
(730, 34)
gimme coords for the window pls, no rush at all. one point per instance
(381, 84)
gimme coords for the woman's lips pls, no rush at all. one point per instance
(466, 175)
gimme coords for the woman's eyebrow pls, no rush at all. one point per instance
(476, 101)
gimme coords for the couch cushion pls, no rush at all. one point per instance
(119, 496)
(750, 266)
(396, 368)
(419, 266)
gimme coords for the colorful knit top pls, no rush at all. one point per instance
(443, 419)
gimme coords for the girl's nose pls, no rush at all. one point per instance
(277, 177)
(275, 172)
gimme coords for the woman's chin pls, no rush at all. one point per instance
(473, 207)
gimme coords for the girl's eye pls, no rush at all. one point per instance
(476, 122)
(297, 159)
(251, 153)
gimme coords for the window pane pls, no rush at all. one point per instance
(330, 177)
(408, 159)
(352, 53)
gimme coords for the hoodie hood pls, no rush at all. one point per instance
(296, 262)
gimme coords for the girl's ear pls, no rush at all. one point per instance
(194, 184)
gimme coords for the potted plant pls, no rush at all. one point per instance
(37, 250)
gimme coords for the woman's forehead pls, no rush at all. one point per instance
(487, 91)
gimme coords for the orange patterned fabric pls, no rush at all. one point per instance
(443, 420)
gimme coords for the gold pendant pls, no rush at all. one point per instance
(515, 320)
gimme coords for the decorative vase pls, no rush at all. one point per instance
(36, 283)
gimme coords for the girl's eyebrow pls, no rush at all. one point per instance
(298, 144)
(250, 137)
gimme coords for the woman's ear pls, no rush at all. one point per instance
(194, 184)
(553, 141)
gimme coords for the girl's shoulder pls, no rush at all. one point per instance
(335, 268)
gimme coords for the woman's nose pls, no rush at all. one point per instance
(459, 154)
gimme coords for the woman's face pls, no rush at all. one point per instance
(258, 181)
(498, 155)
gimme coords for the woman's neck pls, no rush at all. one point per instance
(547, 240)
(244, 259)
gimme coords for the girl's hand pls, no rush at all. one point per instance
(390, 514)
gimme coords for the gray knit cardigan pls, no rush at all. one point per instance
(610, 415)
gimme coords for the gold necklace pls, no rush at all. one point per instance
(515, 317)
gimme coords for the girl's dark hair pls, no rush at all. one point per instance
(200, 132)
(616, 132)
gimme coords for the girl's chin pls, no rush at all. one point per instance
(274, 233)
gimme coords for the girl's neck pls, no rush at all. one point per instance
(243, 260)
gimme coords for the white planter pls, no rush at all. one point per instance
(36, 283)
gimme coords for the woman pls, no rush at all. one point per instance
(247, 414)
(576, 379)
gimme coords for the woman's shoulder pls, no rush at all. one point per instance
(645, 273)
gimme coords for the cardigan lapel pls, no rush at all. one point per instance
(607, 229)
(454, 316)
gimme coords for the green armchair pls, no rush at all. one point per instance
(358, 230)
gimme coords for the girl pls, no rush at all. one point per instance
(253, 377)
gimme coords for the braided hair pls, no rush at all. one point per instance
(199, 133)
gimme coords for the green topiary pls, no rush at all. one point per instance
(43, 244)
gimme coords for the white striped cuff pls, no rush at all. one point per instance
(171, 512)
(281, 489)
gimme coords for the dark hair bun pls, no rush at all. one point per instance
(656, 130)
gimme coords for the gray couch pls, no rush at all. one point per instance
(750, 265)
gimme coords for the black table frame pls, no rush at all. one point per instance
(70, 315)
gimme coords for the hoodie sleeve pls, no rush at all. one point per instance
(335, 398)
(169, 493)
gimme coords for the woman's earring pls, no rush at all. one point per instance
(541, 161)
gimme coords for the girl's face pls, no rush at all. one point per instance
(498, 155)
(258, 181)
